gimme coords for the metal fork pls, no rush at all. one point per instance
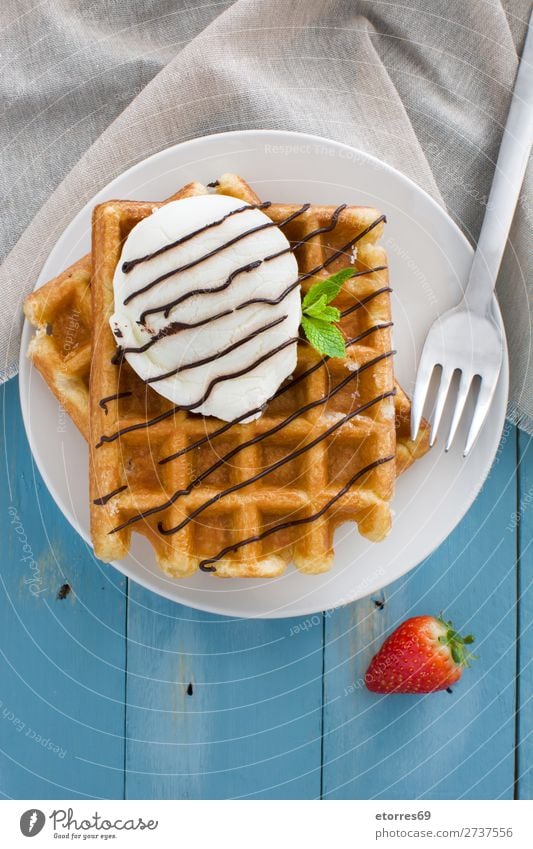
(468, 338)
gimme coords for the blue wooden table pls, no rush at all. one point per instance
(108, 691)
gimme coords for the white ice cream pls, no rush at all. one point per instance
(230, 398)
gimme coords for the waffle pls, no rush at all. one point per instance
(61, 310)
(62, 313)
(61, 348)
(222, 521)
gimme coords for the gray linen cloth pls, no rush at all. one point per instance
(91, 86)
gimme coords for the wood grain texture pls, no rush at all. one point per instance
(221, 708)
(443, 745)
(197, 706)
(524, 519)
(61, 659)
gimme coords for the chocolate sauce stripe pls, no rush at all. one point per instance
(367, 332)
(188, 407)
(269, 301)
(212, 435)
(220, 354)
(104, 402)
(177, 327)
(327, 228)
(213, 252)
(209, 436)
(105, 498)
(166, 308)
(368, 298)
(120, 353)
(292, 523)
(275, 429)
(169, 330)
(129, 264)
(281, 462)
(280, 391)
(148, 423)
(344, 249)
(235, 374)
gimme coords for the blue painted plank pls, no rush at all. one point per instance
(252, 726)
(62, 660)
(524, 517)
(440, 746)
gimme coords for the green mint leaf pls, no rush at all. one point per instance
(324, 337)
(328, 314)
(329, 288)
(325, 314)
(316, 308)
(320, 310)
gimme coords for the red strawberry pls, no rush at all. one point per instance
(422, 655)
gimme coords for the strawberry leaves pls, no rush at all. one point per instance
(319, 318)
(457, 644)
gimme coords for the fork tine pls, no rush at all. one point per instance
(462, 394)
(423, 379)
(484, 400)
(445, 380)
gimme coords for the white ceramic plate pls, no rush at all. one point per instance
(429, 259)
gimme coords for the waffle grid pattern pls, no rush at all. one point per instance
(61, 310)
(295, 489)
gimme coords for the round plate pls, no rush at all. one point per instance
(429, 260)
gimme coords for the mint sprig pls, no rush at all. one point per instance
(319, 319)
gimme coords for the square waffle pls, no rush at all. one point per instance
(243, 501)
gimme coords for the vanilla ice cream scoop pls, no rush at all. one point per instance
(207, 305)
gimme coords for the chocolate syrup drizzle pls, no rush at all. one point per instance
(211, 253)
(289, 385)
(281, 462)
(216, 380)
(222, 353)
(176, 409)
(176, 327)
(358, 304)
(105, 498)
(293, 523)
(129, 264)
(275, 429)
(344, 249)
(104, 402)
(166, 308)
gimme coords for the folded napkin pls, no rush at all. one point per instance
(423, 85)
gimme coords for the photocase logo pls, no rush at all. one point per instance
(32, 822)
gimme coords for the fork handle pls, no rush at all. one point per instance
(508, 177)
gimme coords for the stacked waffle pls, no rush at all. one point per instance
(238, 500)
